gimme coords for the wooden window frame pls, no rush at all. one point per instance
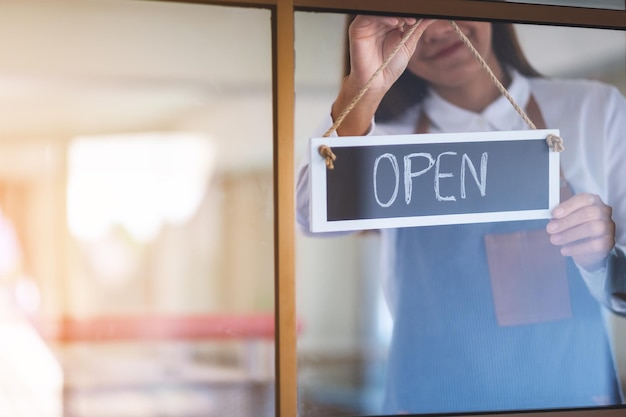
(283, 86)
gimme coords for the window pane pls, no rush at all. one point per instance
(136, 226)
(350, 360)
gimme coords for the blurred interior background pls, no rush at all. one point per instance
(136, 211)
(136, 226)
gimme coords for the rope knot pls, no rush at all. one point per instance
(555, 143)
(328, 155)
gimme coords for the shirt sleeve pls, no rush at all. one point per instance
(615, 155)
(303, 194)
(608, 284)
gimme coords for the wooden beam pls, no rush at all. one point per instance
(267, 4)
(476, 10)
(283, 77)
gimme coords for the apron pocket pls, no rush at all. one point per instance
(528, 278)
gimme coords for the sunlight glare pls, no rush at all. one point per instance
(138, 181)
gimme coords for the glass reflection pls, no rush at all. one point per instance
(344, 347)
(129, 194)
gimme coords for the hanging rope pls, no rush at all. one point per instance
(325, 150)
(554, 142)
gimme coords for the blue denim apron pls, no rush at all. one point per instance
(448, 351)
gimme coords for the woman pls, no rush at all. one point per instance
(461, 341)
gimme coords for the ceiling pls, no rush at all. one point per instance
(78, 67)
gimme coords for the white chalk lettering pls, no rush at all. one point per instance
(480, 178)
(482, 183)
(409, 175)
(396, 170)
(439, 175)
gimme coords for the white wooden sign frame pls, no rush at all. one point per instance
(318, 181)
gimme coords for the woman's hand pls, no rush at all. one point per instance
(582, 226)
(372, 39)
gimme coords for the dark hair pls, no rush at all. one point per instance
(410, 89)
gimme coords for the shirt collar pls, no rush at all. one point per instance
(499, 115)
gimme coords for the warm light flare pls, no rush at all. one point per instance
(138, 181)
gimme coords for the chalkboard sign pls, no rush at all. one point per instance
(433, 179)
